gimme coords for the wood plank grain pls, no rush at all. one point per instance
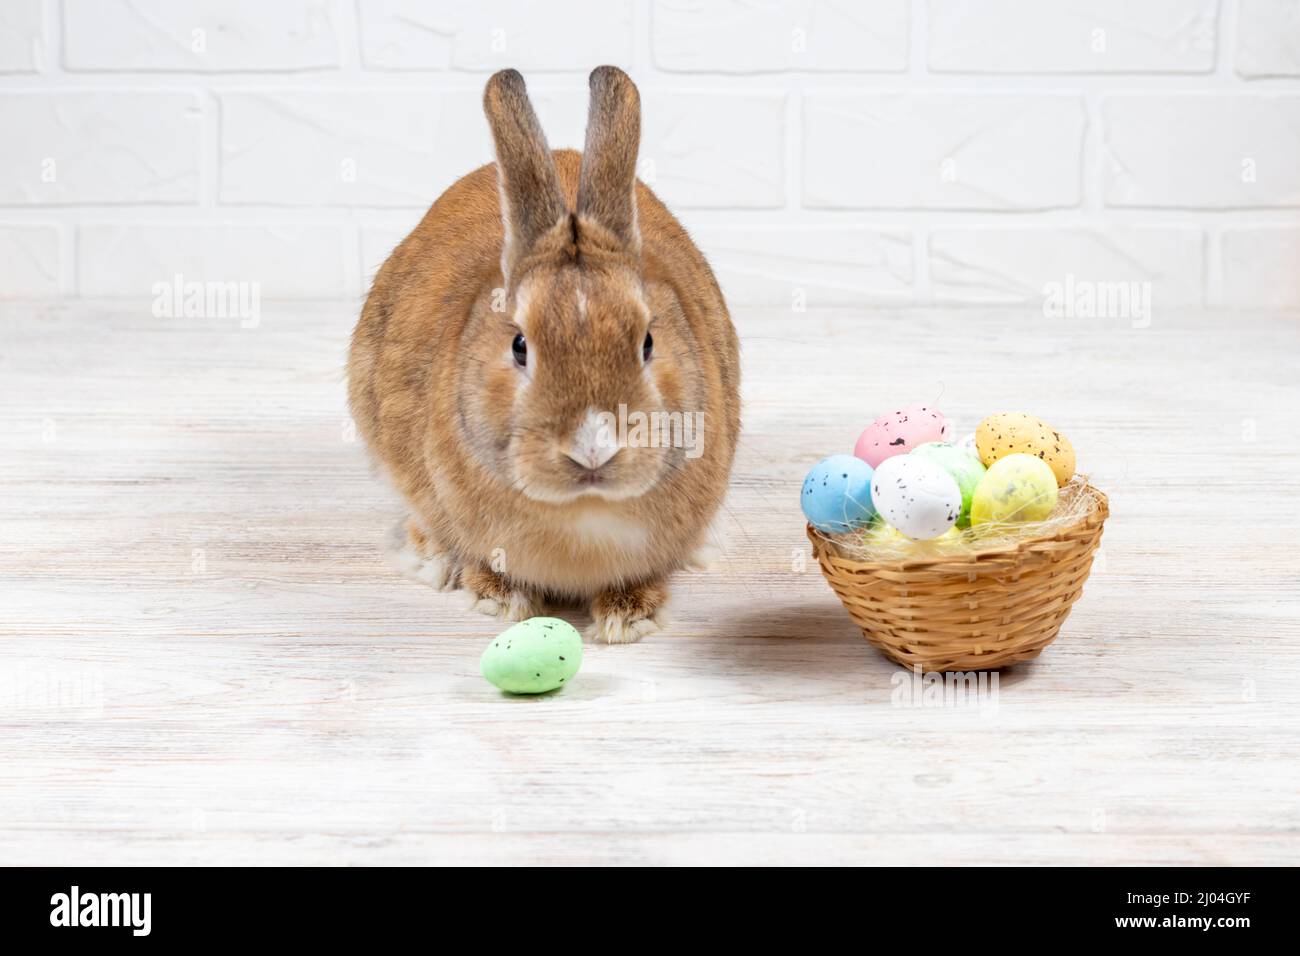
(206, 659)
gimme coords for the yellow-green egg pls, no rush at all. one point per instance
(952, 538)
(1017, 487)
(882, 535)
(1015, 433)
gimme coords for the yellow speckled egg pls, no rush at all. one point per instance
(1018, 487)
(1015, 433)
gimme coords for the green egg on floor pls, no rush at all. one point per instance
(533, 656)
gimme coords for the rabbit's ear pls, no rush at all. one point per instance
(531, 199)
(607, 183)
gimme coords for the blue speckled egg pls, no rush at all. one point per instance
(837, 494)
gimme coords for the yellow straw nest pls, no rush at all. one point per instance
(979, 599)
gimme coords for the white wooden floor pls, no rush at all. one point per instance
(205, 660)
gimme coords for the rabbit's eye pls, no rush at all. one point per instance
(520, 349)
(647, 347)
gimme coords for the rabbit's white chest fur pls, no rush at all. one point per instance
(609, 531)
(584, 551)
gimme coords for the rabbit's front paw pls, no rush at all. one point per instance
(494, 595)
(415, 554)
(625, 615)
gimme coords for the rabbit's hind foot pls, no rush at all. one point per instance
(625, 615)
(493, 594)
(412, 551)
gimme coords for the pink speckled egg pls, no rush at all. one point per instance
(897, 433)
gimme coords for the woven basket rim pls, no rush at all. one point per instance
(1098, 511)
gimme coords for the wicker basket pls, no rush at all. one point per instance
(979, 611)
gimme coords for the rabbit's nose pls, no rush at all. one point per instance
(595, 440)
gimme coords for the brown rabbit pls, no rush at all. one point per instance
(541, 300)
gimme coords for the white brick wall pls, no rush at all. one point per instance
(472, 36)
(986, 150)
(1058, 36)
(898, 152)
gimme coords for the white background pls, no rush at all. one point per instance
(894, 152)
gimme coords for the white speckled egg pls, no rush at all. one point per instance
(967, 444)
(916, 496)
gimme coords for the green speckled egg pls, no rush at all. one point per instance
(534, 656)
(964, 467)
